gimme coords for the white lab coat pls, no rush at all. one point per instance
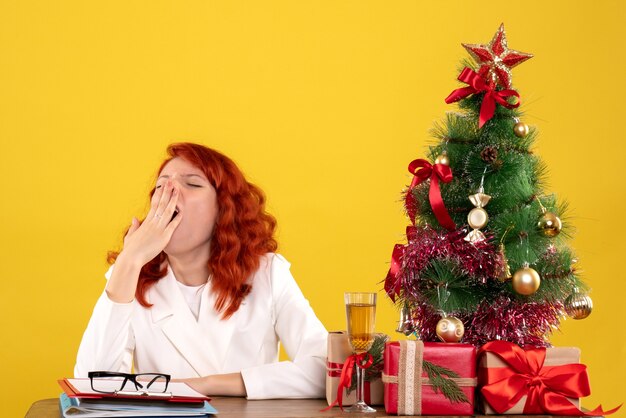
(167, 338)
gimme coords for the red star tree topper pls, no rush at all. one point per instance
(496, 59)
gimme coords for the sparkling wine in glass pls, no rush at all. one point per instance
(361, 316)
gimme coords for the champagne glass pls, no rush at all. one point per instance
(361, 315)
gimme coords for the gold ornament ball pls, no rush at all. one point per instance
(549, 224)
(520, 129)
(578, 305)
(442, 159)
(526, 281)
(450, 329)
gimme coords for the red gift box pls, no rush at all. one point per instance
(493, 369)
(338, 352)
(409, 391)
(532, 381)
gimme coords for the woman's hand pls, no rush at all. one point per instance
(143, 242)
(146, 240)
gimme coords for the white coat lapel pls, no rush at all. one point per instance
(241, 327)
(172, 314)
(220, 330)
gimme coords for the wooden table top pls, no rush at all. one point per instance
(236, 407)
(242, 408)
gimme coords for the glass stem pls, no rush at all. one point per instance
(359, 384)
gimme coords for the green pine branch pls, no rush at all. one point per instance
(447, 288)
(441, 381)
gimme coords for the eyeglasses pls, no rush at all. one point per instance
(113, 382)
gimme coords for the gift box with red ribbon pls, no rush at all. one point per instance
(532, 381)
(341, 361)
(429, 378)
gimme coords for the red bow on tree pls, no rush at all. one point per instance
(546, 388)
(492, 96)
(393, 283)
(423, 170)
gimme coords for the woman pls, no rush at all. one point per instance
(197, 291)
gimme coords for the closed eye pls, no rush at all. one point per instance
(194, 185)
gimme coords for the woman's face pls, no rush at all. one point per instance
(197, 202)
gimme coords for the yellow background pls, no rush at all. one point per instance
(322, 103)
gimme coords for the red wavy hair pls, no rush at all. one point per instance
(243, 232)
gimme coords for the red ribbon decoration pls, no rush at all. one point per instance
(334, 372)
(479, 85)
(547, 388)
(392, 282)
(332, 368)
(363, 360)
(422, 170)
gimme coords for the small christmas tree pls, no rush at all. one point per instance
(486, 255)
